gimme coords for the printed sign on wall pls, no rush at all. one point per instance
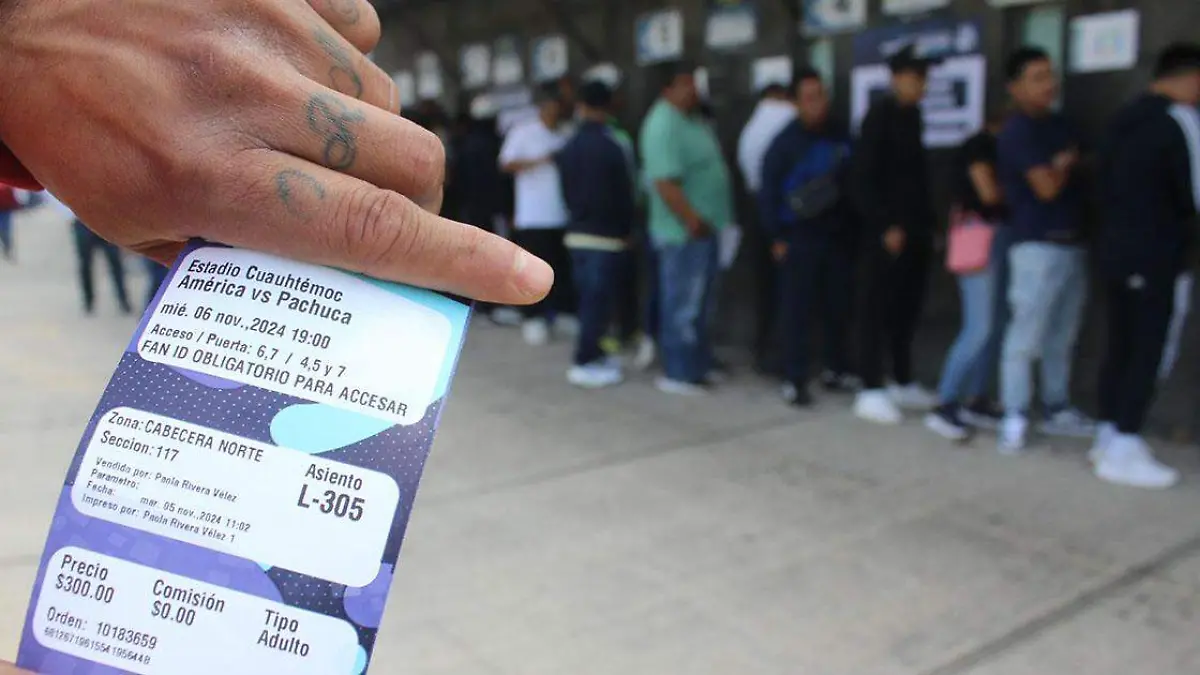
(659, 36)
(429, 76)
(912, 6)
(1012, 3)
(475, 65)
(832, 16)
(731, 24)
(771, 70)
(954, 105)
(506, 62)
(1101, 42)
(549, 58)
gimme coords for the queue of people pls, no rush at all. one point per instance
(847, 230)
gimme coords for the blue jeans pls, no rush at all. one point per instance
(1046, 293)
(975, 354)
(597, 276)
(686, 274)
(976, 292)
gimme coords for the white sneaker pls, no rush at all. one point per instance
(1013, 431)
(875, 405)
(595, 375)
(645, 353)
(566, 325)
(505, 316)
(678, 387)
(1128, 461)
(1105, 433)
(535, 332)
(1068, 422)
(912, 396)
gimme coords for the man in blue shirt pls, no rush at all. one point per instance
(1038, 159)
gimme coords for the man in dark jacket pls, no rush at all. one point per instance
(597, 187)
(891, 184)
(813, 245)
(1150, 180)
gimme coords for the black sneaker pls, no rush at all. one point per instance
(945, 422)
(796, 395)
(844, 383)
(982, 414)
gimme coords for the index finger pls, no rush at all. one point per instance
(306, 212)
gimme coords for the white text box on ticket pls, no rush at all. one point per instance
(265, 503)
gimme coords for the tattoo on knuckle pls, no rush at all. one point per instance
(334, 122)
(343, 76)
(296, 191)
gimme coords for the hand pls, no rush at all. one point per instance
(893, 240)
(698, 229)
(9, 669)
(1066, 159)
(256, 123)
(779, 251)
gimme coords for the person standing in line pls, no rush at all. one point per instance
(86, 244)
(690, 201)
(803, 206)
(597, 187)
(892, 192)
(979, 207)
(1038, 152)
(476, 179)
(156, 274)
(775, 110)
(541, 214)
(1150, 185)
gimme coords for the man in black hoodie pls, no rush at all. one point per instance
(1150, 180)
(891, 185)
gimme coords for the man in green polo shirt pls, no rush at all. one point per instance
(691, 199)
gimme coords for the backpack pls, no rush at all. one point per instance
(814, 186)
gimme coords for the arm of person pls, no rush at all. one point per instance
(619, 180)
(663, 159)
(1046, 174)
(868, 169)
(516, 155)
(1183, 153)
(776, 165)
(10, 669)
(983, 178)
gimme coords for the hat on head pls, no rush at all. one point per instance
(907, 61)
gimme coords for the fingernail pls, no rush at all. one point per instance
(533, 276)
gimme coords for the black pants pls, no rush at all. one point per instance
(598, 281)
(637, 297)
(893, 298)
(818, 271)
(768, 294)
(1139, 317)
(86, 243)
(547, 244)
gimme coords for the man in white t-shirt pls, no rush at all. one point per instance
(541, 214)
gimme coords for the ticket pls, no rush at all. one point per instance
(240, 494)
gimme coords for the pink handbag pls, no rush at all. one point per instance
(969, 247)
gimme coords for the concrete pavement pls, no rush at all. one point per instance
(624, 532)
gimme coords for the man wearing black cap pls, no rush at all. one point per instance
(891, 186)
(1150, 177)
(597, 184)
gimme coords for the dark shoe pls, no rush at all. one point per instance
(982, 414)
(945, 422)
(844, 383)
(796, 395)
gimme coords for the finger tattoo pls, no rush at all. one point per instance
(296, 190)
(334, 121)
(342, 75)
(347, 10)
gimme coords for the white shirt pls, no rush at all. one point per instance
(769, 118)
(59, 206)
(539, 199)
